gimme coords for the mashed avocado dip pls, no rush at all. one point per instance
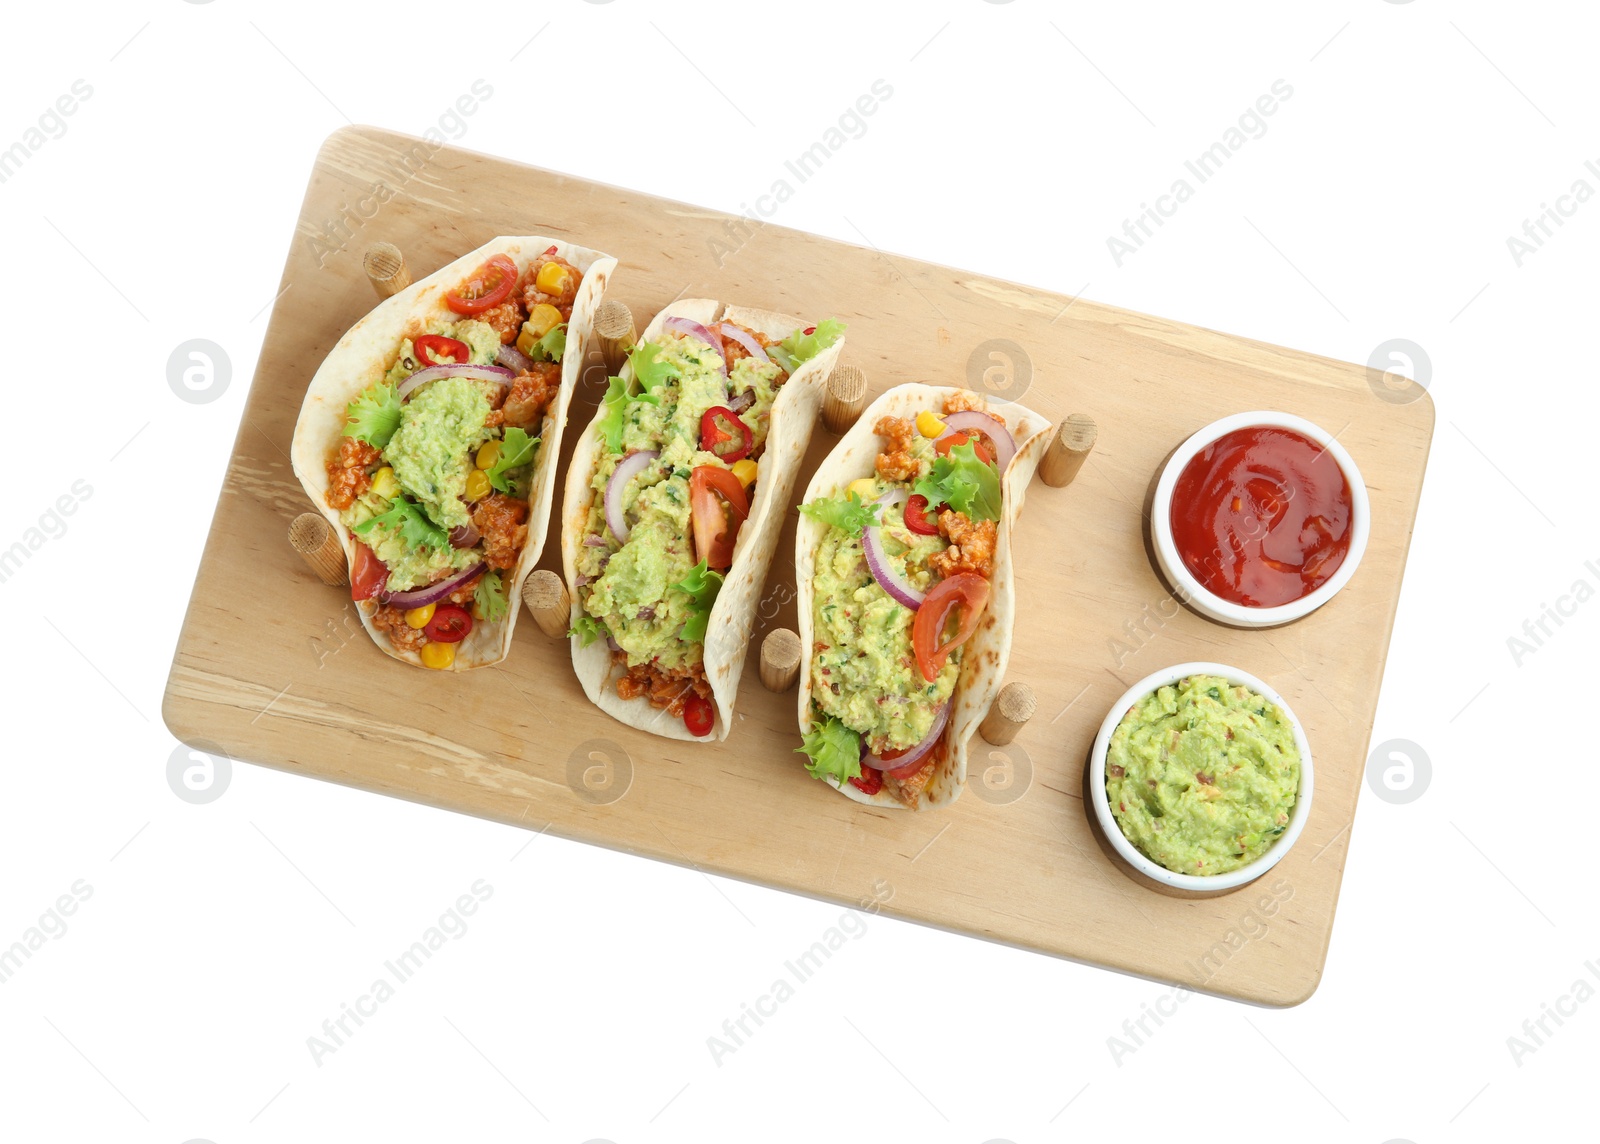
(1202, 775)
(631, 587)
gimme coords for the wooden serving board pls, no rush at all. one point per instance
(284, 675)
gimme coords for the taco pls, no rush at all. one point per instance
(428, 439)
(674, 500)
(905, 590)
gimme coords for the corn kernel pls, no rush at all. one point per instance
(542, 319)
(438, 656)
(385, 484)
(745, 470)
(488, 454)
(866, 488)
(929, 425)
(419, 617)
(478, 485)
(552, 278)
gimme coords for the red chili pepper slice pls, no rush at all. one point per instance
(698, 716)
(869, 781)
(712, 434)
(434, 349)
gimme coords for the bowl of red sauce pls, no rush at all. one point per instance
(1259, 519)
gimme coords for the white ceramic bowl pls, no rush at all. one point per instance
(1129, 852)
(1202, 599)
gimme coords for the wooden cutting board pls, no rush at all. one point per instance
(284, 676)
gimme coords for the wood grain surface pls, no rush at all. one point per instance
(284, 675)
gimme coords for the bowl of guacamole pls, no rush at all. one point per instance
(1201, 777)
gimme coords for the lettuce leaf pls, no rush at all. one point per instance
(374, 415)
(587, 629)
(850, 514)
(650, 373)
(615, 403)
(800, 347)
(834, 749)
(415, 527)
(516, 450)
(702, 586)
(490, 596)
(960, 480)
(552, 345)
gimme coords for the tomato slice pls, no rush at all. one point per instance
(905, 771)
(368, 574)
(966, 590)
(489, 285)
(980, 447)
(713, 434)
(917, 516)
(698, 716)
(434, 349)
(869, 781)
(450, 624)
(714, 532)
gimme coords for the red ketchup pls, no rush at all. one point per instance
(1261, 516)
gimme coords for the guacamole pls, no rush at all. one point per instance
(410, 565)
(630, 587)
(431, 452)
(1202, 776)
(865, 673)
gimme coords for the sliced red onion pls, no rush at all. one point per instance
(435, 372)
(464, 536)
(890, 579)
(513, 359)
(433, 593)
(975, 420)
(695, 330)
(746, 340)
(593, 542)
(940, 718)
(612, 644)
(629, 468)
(744, 401)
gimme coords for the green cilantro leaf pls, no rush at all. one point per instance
(702, 586)
(374, 415)
(801, 347)
(850, 514)
(415, 527)
(835, 751)
(587, 629)
(552, 345)
(515, 451)
(490, 596)
(615, 403)
(960, 480)
(651, 371)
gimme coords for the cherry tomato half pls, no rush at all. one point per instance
(966, 590)
(980, 448)
(434, 349)
(698, 716)
(450, 624)
(368, 574)
(917, 516)
(489, 285)
(714, 531)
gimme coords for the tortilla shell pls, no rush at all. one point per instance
(364, 355)
(794, 413)
(984, 656)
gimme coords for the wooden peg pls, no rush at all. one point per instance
(1012, 708)
(846, 396)
(547, 598)
(780, 659)
(613, 330)
(386, 269)
(1065, 454)
(313, 538)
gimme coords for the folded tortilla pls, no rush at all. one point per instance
(984, 656)
(794, 412)
(363, 356)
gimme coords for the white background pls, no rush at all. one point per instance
(178, 1003)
